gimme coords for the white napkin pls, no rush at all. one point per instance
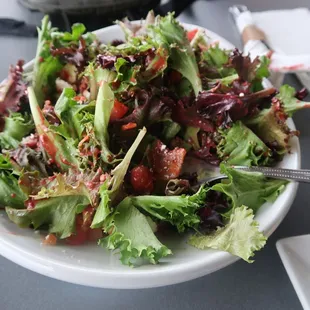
(287, 33)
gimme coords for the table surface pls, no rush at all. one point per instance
(262, 285)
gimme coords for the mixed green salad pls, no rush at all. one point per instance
(97, 140)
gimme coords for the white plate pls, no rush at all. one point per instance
(295, 255)
(95, 266)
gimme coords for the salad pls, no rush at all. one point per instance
(99, 142)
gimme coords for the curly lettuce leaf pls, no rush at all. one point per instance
(180, 211)
(240, 236)
(130, 232)
(290, 103)
(60, 150)
(16, 127)
(172, 35)
(240, 146)
(252, 189)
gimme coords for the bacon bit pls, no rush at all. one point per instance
(80, 99)
(30, 203)
(50, 239)
(133, 80)
(41, 59)
(66, 162)
(85, 139)
(166, 164)
(31, 141)
(49, 113)
(129, 126)
(103, 177)
(191, 34)
(96, 152)
(13, 195)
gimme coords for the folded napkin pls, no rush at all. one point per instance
(285, 32)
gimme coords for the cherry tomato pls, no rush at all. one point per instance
(129, 126)
(191, 34)
(94, 234)
(118, 111)
(80, 235)
(141, 179)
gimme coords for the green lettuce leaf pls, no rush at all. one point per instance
(58, 213)
(290, 103)
(56, 207)
(16, 127)
(270, 126)
(77, 31)
(60, 150)
(217, 59)
(10, 191)
(170, 34)
(252, 189)
(110, 190)
(240, 236)
(130, 232)
(170, 130)
(180, 211)
(103, 210)
(45, 66)
(118, 173)
(67, 110)
(104, 106)
(240, 146)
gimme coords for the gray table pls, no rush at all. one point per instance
(262, 285)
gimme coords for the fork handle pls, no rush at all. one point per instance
(299, 175)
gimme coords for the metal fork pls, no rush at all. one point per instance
(298, 175)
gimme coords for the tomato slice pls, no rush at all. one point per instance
(191, 34)
(166, 164)
(141, 179)
(118, 111)
(80, 235)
